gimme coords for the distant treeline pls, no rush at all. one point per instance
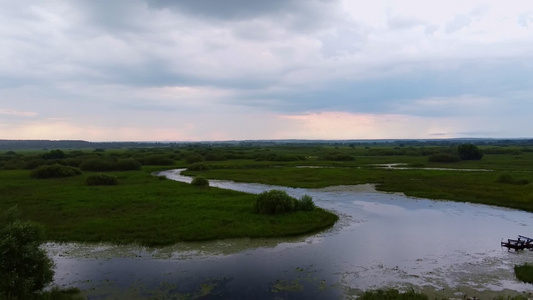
(79, 144)
(72, 144)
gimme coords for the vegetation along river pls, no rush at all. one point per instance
(382, 240)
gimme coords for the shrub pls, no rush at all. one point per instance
(215, 157)
(274, 202)
(198, 167)
(524, 272)
(101, 179)
(507, 178)
(338, 157)
(24, 267)
(469, 152)
(127, 165)
(73, 162)
(96, 164)
(54, 171)
(443, 157)
(392, 295)
(200, 181)
(157, 160)
(34, 163)
(305, 203)
(193, 158)
(54, 154)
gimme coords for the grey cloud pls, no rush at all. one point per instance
(399, 22)
(343, 41)
(463, 20)
(458, 23)
(233, 9)
(525, 19)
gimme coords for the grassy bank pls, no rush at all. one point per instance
(145, 209)
(420, 179)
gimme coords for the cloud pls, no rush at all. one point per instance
(135, 66)
(13, 112)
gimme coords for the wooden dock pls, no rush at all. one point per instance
(522, 243)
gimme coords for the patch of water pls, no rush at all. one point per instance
(401, 166)
(381, 240)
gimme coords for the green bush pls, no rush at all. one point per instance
(524, 272)
(338, 157)
(34, 163)
(216, 157)
(198, 167)
(157, 160)
(97, 164)
(193, 158)
(54, 171)
(101, 179)
(392, 295)
(25, 269)
(305, 203)
(508, 179)
(127, 165)
(469, 152)
(443, 157)
(274, 202)
(54, 154)
(200, 181)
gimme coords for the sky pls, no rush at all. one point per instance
(202, 70)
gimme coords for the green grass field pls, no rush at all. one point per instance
(144, 209)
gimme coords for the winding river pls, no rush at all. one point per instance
(446, 249)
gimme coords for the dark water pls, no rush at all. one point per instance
(382, 240)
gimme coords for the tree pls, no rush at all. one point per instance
(469, 152)
(25, 269)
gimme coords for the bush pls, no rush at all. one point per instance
(338, 157)
(127, 165)
(443, 157)
(216, 157)
(524, 272)
(101, 179)
(305, 203)
(198, 167)
(193, 158)
(200, 181)
(157, 160)
(34, 163)
(54, 171)
(507, 178)
(96, 164)
(54, 154)
(274, 202)
(469, 152)
(392, 295)
(24, 267)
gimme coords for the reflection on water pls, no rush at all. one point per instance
(381, 240)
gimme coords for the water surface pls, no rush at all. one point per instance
(381, 240)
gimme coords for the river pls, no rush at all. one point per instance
(382, 240)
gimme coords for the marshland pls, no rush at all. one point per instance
(405, 217)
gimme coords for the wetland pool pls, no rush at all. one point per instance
(382, 240)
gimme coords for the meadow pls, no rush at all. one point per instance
(146, 209)
(142, 208)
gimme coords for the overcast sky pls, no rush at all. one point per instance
(190, 70)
